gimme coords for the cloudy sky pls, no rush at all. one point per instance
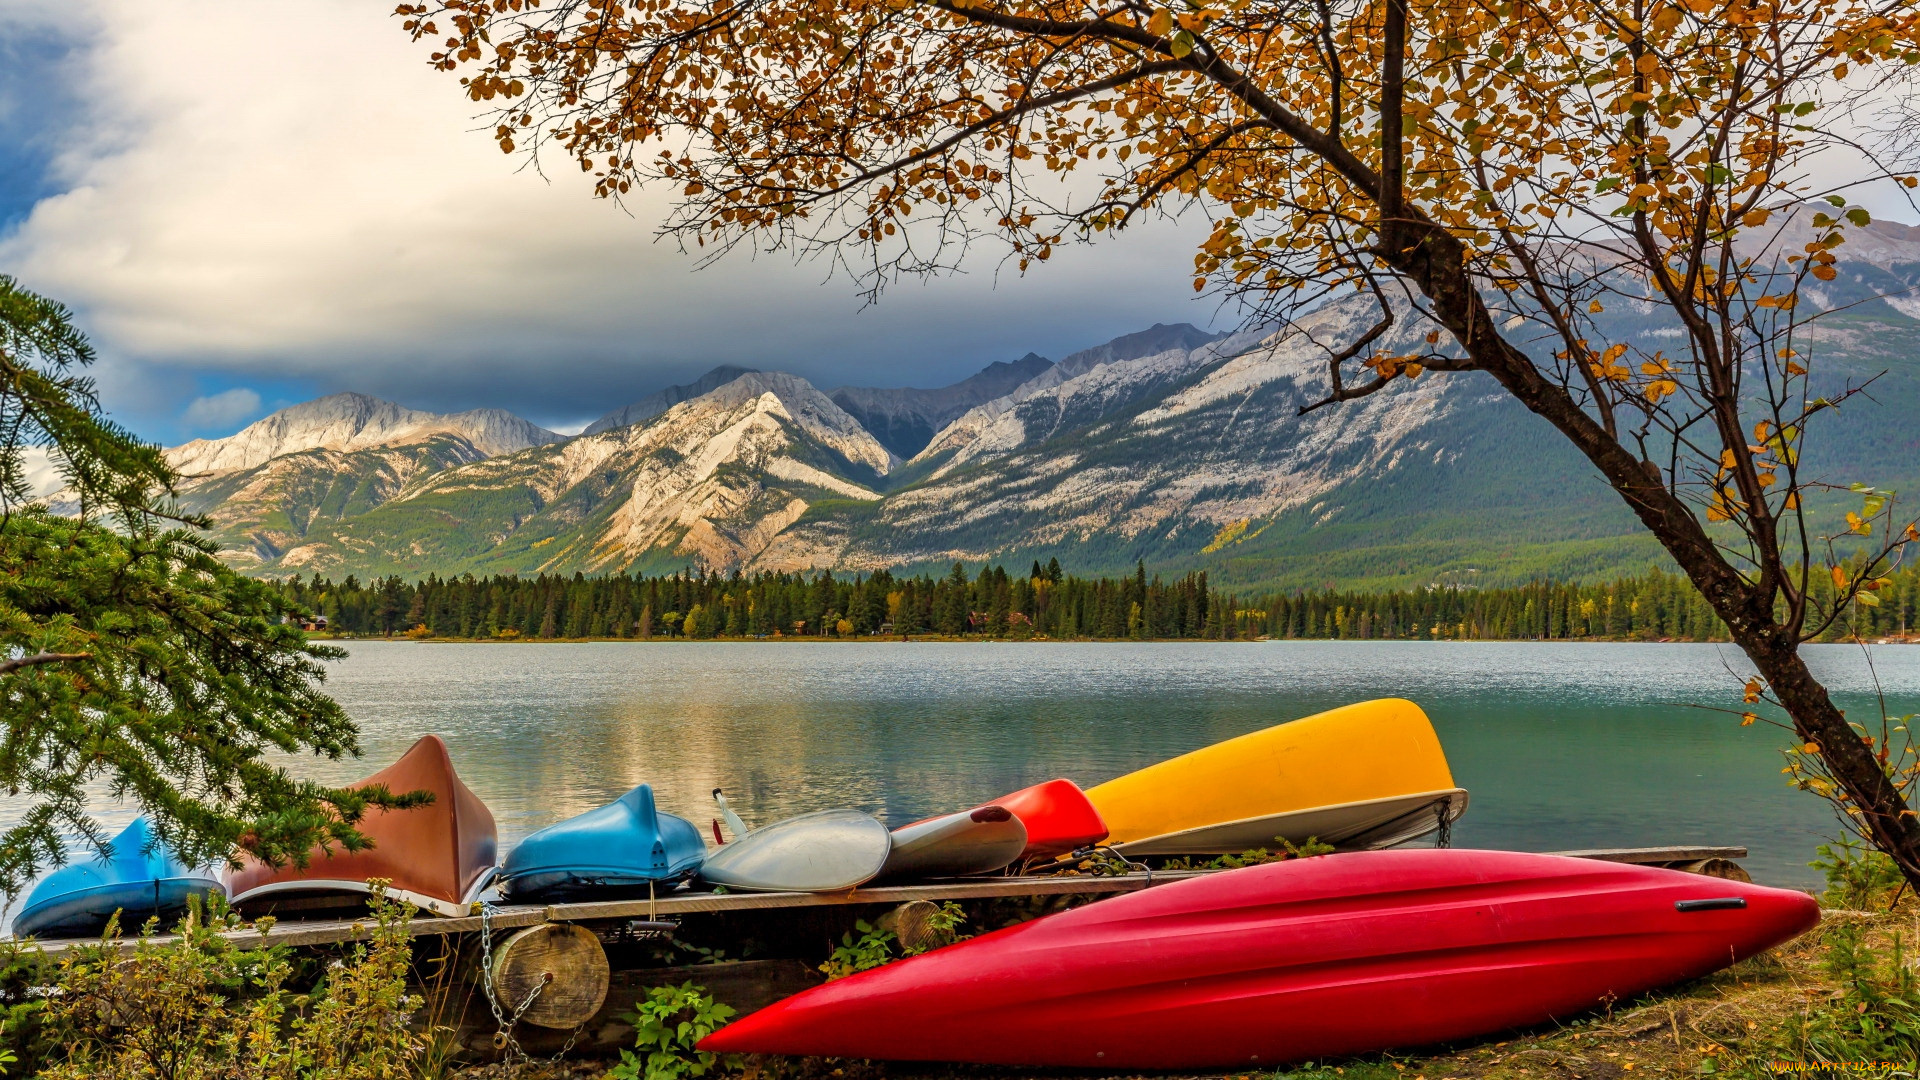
(253, 202)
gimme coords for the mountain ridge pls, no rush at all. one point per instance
(661, 400)
(1176, 447)
(352, 421)
(905, 419)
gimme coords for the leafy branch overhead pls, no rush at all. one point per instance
(1500, 174)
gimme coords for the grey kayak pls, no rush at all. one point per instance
(1354, 826)
(977, 841)
(825, 851)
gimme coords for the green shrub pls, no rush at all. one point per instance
(1875, 1016)
(667, 1026)
(871, 949)
(207, 1007)
(1857, 876)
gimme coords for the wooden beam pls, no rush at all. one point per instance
(1655, 856)
(681, 902)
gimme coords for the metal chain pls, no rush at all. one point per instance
(571, 1039)
(503, 1038)
(1443, 814)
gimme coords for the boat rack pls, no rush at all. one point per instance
(1704, 859)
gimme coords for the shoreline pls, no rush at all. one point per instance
(938, 639)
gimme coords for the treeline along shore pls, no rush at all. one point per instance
(1043, 603)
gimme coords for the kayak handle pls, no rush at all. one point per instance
(1717, 903)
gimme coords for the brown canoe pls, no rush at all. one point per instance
(437, 856)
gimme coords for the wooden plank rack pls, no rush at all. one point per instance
(683, 902)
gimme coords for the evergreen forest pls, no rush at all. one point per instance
(1044, 603)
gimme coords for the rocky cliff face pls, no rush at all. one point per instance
(1199, 451)
(257, 514)
(349, 422)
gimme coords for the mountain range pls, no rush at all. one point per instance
(1173, 446)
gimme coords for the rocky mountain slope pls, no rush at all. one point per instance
(1198, 457)
(905, 419)
(328, 459)
(711, 481)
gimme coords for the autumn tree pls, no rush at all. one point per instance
(1496, 175)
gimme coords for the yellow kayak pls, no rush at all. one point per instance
(1365, 775)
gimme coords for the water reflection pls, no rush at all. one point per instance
(1561, 745)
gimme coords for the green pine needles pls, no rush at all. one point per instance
(134, 665)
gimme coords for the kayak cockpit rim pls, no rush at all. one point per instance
(339, 886)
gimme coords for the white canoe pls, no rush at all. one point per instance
(826, 851)
(977, 841)
(1372, 823)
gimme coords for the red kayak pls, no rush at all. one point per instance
(1058, 816)
(1308, 959)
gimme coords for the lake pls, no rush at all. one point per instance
(1561, 745)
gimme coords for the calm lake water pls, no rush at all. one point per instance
(1561, 745)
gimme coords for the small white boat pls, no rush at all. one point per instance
(825, 851)
(977, 841)
(1370, 823)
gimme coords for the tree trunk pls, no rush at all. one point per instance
(1436, 262)
(1885, 816)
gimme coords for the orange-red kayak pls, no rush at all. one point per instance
(436, 856)
(1058, 816)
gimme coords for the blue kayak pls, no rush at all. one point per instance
(140, 881)
(621, 847)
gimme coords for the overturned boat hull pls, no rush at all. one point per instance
(825, 851)
(1370, 823)
(437, 857)
(141, 881)
(622, 848)
(977, 841)
(1058, 816)
(1306, 959)
(1337, 769)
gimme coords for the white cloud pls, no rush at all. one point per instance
(41, 475)
(286, 189)
(222, 412)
